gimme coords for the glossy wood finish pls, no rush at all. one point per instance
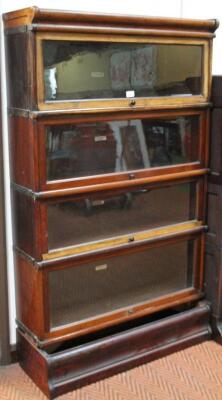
(18, 45)
(28, 281)
(177, 175)
(36, 296)
(151, 234)
(30, 15)
(31, 218)
(27, 232)
(27, 134)
(29, 118)
(72, 368)
(100, 27)
(21, 88)
(23, 152)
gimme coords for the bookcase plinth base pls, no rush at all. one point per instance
(60, 372)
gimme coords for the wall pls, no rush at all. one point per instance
(170, 8)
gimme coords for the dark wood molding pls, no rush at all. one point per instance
(213, 270)
(4, 312)
(53, 116)
(34, 15)
(118, 324)
(59, 372)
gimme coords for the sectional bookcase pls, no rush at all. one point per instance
(109, 142)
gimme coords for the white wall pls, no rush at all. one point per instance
(166, 8)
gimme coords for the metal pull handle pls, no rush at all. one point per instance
(133, 102)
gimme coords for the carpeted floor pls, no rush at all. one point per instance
(192, 374)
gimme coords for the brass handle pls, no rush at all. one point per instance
(133, 102)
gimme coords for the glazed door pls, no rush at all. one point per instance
(102, 72)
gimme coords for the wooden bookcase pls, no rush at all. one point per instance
(213, 263)
(109, 139)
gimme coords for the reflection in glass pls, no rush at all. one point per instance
(113, 146)
(104, 286)
(97, 218)
(98, 70)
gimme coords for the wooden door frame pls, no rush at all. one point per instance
(4, 309)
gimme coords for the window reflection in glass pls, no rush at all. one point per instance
(97, 218)
(98, 70)
(108, 285)
(114, 146)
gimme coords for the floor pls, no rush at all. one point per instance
(192, 374)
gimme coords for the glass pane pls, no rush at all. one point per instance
(114, 146)
(104, 286)
(97, 218)
(98, 70)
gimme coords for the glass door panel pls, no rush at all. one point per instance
(75, 70)
(105, 286)
(97, 148)
(97, 218)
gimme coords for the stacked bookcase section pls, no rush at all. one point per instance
(109, 137)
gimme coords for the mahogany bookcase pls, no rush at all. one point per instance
(109, 139)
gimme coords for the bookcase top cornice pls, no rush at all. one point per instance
(35, 18)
